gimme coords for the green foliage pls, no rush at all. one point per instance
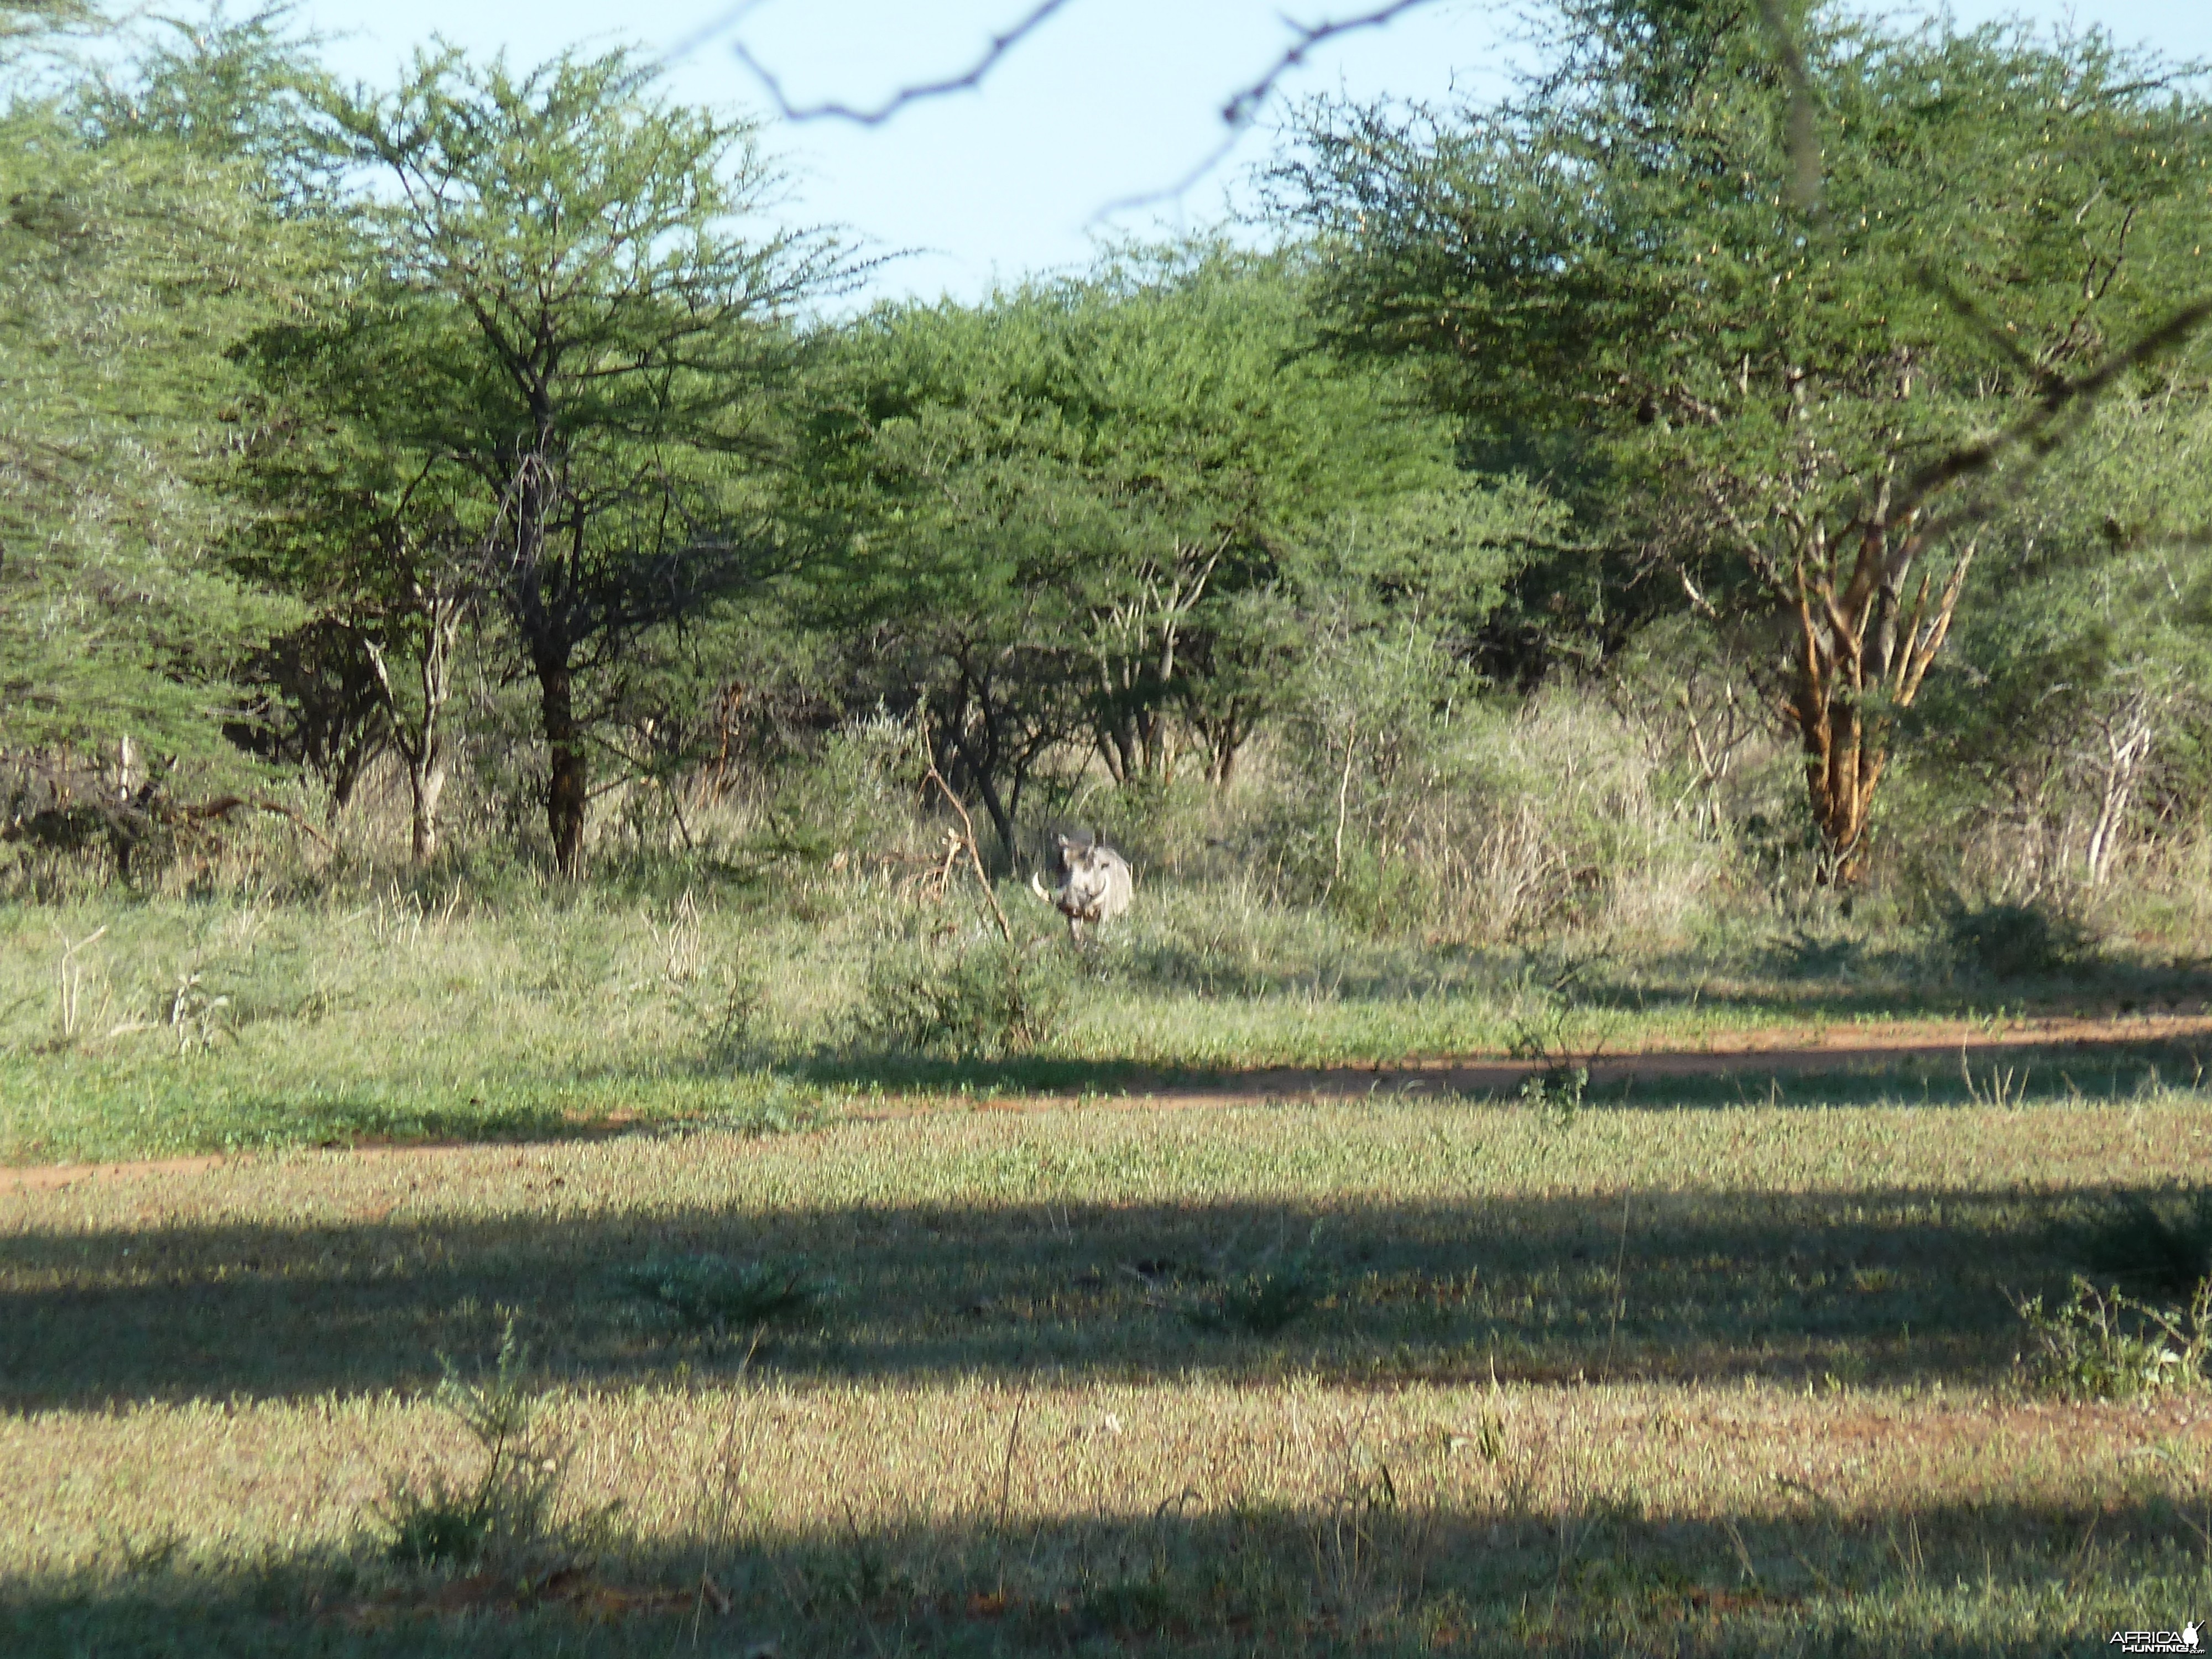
(587, 338)
(983, 997)
(246, 91)
(709, 1296)
(1267, 1301)
(1557, 1092)
(1776, 362)
(31, 23)
(1368, 676)
(129, 268)
(2013, 941)
(1552, 1026)
(1624, 244)
(1525, 374)
(447, 1523)
(2074, 710)
(1072, 514)
(851, 797)
(2104, 1345)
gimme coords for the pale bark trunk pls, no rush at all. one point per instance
(2127, 748)
(426, 783)
(1140, 740)
(422, 740)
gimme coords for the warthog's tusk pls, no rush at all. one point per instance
(1037, 887)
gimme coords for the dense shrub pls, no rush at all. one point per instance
(981, 998)
(2017, 941)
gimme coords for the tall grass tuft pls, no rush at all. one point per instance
(505, 1509)
(1266, 1301)
(2105, 1345)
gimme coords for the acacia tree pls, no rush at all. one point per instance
(134, 254)
(2078, 707)
(1791, 390)
(1215, 432)
(957, 529)
(588, 336)
(385, 542)
(1059, 508)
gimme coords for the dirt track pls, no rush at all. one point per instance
(1775, 1052)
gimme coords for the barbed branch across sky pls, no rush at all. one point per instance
(1237, 112)
(874, 114)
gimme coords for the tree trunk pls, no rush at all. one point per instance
(422, 740)
(2127, 734)
(128, 774)
(567, 789)
(994, 804)
(426, 782)
(1860, 654)
(1224, 739)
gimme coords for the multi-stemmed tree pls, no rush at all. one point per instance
(1062, 512)
(1792, 308)
(573, 339)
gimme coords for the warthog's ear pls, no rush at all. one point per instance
(1064, 842)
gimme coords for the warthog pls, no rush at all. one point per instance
(1095, 885)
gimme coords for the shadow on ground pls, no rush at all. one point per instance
(1869, 1284)
(1795, 975)
(1366, 1572)
(2116, 1065)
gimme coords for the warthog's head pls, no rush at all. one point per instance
(1094, 885)
(1089, 872)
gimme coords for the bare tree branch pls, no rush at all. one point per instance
(1239, 110)
(1144, 198)
(2045, 427)
(1244, 106)
(876, 115)
(1236, 114)
(721, 25)
(975, 854)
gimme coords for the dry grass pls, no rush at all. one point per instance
(1665, 1382)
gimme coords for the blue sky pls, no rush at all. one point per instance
(1110, 100)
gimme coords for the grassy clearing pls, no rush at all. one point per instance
(147, 1027)
(1687, 1380)
(1711, 1364)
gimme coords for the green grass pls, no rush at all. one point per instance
(1684, 1380)
(222, 1024)
(1716, 1365)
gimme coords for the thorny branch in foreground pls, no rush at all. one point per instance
(1237, 112)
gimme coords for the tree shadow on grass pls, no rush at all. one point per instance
(1926, 1073)
(1361, 1569)
(1876, 1285)
(1802, 976)
(1813, 980)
